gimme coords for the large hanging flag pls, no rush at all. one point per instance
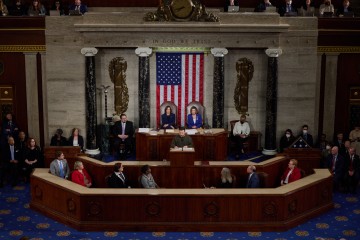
(179, 79)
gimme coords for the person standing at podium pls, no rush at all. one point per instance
(182, 140)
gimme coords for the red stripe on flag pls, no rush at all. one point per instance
(193, 78)
(186, 83)
(178, 115)
(158, 104)
(201, 87)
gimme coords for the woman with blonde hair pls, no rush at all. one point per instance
(80, 175)
(3, 9)
(227, 180)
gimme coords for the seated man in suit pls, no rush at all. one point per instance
(60, 167)
(287, 9)
(123, 132)
(11, 163)
(253, 179)
(117, 178)
(306, 136)
(182, 140)
(82, 8)
(241, 133)
(345, 8)
(291, 174)
(336, 165)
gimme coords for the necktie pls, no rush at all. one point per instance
(248, 183)
(12, 152)
(77, 8)
(123, 128)
(351, 163)
(289, 10)
(333, 163)
(61, 169)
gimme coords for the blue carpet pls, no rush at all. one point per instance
(17, 220)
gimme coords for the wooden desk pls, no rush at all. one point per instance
(70, 153)
(179, 158)
(308, 158)
(277, 209)
(209, 147)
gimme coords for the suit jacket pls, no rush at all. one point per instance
(198, 122)
(78, 178)
(168, 120)
(182, 141)
(295, 175)
(116, 182)
(282, 9)
(7, 154)
(129, 129)
(254, 181)
(83, 8)
(61, 142)
(308, 139)
(339, 166)
(80, 141)
(355, 165)
(340, 10)
(55, 168)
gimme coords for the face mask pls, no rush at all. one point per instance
(288, 135)
(289, 2)
(304, 131)
(328, 147)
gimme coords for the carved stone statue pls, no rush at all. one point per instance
(117, 72)
(245, 71)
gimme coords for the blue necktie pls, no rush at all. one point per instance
(12, 152)
(61, 169)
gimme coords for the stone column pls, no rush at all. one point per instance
(32, 95)
(90, 99)
(271, 101)
(218, 87)
(144, 86)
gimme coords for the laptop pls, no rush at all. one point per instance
(233, 8)
(75, 13)
(328, 14)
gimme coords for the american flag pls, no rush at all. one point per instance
(180, 79)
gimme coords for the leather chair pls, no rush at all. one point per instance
(199, 107)
(173, 109)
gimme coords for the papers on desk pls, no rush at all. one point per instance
(188, 149)
(191, 131)
(170, 130)
(182, 150)
(144, 130)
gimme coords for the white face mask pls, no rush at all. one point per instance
(288, 135)
(304, 131)
(289, 2)
(328, 147)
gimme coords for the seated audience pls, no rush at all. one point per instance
(182, 140)
(354, 137)
(307, 8)
(261, 7)
(117, 178)
(291, 174)
(194, 119)
(58, 139)
(11, 163)
(345, 8)
(241, 133)
(323, 142)
(147, 180)
(227, 180)
(230, 3)
(123, 132)
(82, 8)
(3, 9)
(168, 119)
(76, 139)
(253, 180)
(352, 171)
(33, 158)
(286, 140)
(36, 9)
(80, 175)
(306, 136)
(19, 9)
(22, 143)
(58, 7)
(287, 9)
(60, 167)
(336, 165)
(347, 145)
(339, 142)
(326, 7)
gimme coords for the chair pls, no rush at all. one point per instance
(199, 107)
(173, 109)
(302, 172)
(232, 142)
(263, 179)
(107, 179)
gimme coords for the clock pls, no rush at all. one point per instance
(182, 9)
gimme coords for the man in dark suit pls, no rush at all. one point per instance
(117, 178)
(82, 8)
(123, 131)
(336, 165)
(352, 171)
(11, 162)
(287, 9)
(306, 136)
(339, 142)
(253, 179)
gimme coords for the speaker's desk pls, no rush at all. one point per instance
(209, 146)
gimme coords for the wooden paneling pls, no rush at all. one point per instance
(70, 154)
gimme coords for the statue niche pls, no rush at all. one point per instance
(245, 71)
(117, 72)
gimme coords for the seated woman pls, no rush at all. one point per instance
(58, 139)
(80, 175)
(287, 139)
(58, 7)
(36, 9)
(291, 174)
(168, 119)
(194, 120)
(147, 180)
(227, 180)
(76, 139)
(33, 157)
(117, 178)
(307, 8)
(326, 7)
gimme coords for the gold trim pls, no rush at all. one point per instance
(182, 49)
(22, 48)
(339, 49)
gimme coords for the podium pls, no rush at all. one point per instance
(182, 157)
